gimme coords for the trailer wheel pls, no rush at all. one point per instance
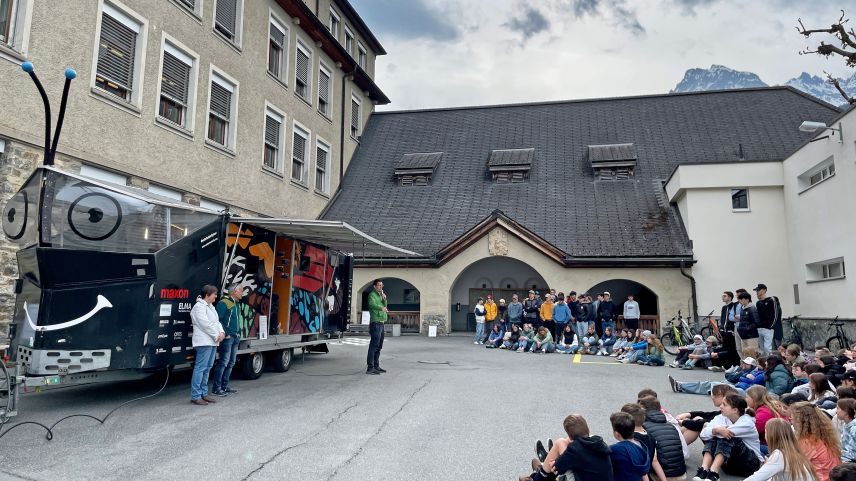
(253, 365)
(282, 360)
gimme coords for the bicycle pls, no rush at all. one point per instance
(796, 335)
(678, 333)
(711, 329)
(839, 340)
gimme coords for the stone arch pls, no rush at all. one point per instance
(501, 271)
(619, 289)
(404, 302)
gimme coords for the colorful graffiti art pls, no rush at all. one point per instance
(311, 276)
(250, 262)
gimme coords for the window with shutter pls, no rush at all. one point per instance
(321, 161)
(273, 126)
(175, 83)
(349, 42)
(116, 51)
(190, 3)
(298, 157)
(226, 18)
(334, 24)
(6, 21)
(355, 118)
(301, 73)
(275, 52)
(361, 60)
(324, 92)
(219, 112)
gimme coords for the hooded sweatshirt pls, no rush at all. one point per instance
(629, 461)
(588, 458)
(515, 311)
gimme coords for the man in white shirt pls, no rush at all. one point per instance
(731, 442)
(631, 313)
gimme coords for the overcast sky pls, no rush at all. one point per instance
(444, 53)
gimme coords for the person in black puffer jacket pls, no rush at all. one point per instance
(670, 452)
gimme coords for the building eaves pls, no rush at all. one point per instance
(717, 162)
(360, 25)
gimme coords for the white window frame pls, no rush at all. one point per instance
(301, 46)
(321, 143)
(127, 17)
(231, 135)
(105, 175)
(307, 159)
(322, 67)
(212, 205)
(350, 39)
(165, 192)
(359, 125)
(239, 24)
(826, 170)
(748, 207)
(21, 20)
(362, 56)
(272, 111)
(822, 270)
(169, 43)
(196, 10)
(274, 20)
(334, 17)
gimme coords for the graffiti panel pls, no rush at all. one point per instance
(250, 261)
(311, 274)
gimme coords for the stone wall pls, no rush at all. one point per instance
(815, 332)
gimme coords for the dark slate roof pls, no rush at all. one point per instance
(418, 161)
(562, 202)
(611, 152)
(500, 158)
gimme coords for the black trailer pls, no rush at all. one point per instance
(108, 275)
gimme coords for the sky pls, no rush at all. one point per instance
(446, 53)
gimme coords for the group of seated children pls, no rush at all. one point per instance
(754, 437)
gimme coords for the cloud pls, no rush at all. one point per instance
(532, 23)
(689, 7)
(622, 16)
(585, 7)
(411, 19)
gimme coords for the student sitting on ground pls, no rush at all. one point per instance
(730, 442)
(586, 456)
(786, 461)
(620, 343)
(638, 414)
(588, 344)
(793, 354)
(694, 421)
(629, 457)
(817, 438)
(819, 390)
(697, 347)
(606, 342)
(655, 353)
(495, 338)
(846, 412)
(543, 341)
(667, 439)
(832, 368)
(633, 351)
(841, 393)
(756, 376)
(567, 342)
(717, 358)
(765, 408)
(527, 338)
(778, 379)
(512, 339)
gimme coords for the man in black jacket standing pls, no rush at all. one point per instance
(770, 315)
(531, 307)
(726, 321)
(605, 314)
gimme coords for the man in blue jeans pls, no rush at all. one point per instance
(378, 314)
(228, 310)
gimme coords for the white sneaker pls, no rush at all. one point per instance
(475, 342)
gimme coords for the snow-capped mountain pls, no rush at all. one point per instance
(720, 77)
(717, 77)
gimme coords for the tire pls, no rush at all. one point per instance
(835, 343)
(706, 332)
(282, 360)
(252, 366)
(669, 343)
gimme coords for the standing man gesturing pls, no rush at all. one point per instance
(378, 314)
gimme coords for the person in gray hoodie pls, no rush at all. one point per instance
(515, 311)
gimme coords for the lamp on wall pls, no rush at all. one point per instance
(809, 126)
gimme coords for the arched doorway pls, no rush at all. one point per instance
(499, 276)
(403, 301)
(619, 289)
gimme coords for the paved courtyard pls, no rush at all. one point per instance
(446, 410)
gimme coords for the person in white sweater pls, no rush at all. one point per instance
(207, 334)
(730, 442)
(786, 462)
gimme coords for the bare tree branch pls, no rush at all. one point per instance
(837, 84)
(847, 50)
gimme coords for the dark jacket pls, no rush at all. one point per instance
(649, 443)
(780, 381)
(588, 458)
(749, 323)
(531, 308)
(724, 323)
(606, 310)
(514, 337)
(670, 451)
(769, 312)
(574, 306)
(583, 312)
(629, 461)
(502, 313)
(706, 415)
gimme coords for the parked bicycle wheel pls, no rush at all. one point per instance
(670, 343)
(835, 344)
(706, 332)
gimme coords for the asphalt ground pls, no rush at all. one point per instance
(447, 409)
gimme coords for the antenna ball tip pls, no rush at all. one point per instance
(70, 73)
(27, 67)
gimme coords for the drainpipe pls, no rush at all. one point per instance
(345, 77)
(693, 288)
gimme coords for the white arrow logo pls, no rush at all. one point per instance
(101, 303)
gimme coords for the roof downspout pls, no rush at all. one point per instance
(693, 289)
(345, 77)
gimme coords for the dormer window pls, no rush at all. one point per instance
(510, 165)
(417, 169)
(613, 161)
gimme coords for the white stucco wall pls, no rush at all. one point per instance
(735, 249)
(822, 221)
